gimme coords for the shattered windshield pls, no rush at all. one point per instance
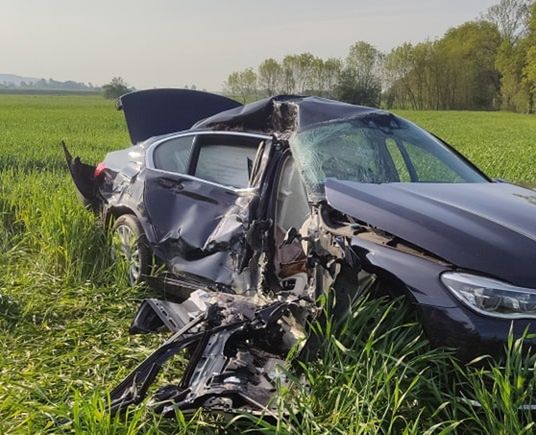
(377, 149)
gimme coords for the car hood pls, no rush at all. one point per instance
(485, 227)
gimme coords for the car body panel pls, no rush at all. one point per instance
(155, 112)
(484, 227)
(471, 334)
(200, 234)
(83, 178)
(419, 274)
(200, 231)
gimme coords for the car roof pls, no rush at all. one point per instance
(285, 113)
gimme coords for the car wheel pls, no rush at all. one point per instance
(130, 244)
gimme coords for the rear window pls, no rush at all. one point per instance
(173, 155)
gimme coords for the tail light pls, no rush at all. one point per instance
(99, 169)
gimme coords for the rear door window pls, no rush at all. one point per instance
(226, 159)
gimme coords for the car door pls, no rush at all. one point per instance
(201, 197)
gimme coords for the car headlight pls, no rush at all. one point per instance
(491, 297)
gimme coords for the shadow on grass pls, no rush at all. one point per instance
(10, 313)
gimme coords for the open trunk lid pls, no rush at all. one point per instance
(154, 112)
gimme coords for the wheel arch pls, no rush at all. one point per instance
(112, 213)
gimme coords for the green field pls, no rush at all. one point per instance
(64, 314)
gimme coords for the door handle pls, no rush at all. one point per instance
(175, 185)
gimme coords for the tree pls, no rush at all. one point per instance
(515, 20)
(529, 69)
(242, 84)
(456, 72)
(511, 18)
(331, 72)
(400, 68)
(480, 65)
(325, 76)
(360, 81)
(298, 72)
(511, 62)
(115, 88)
(470, 79)
(270, 76)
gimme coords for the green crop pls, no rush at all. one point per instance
(65, 312)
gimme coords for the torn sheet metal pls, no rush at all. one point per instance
(83, 177)
(285, 113)
(201, 231)
(238, 347)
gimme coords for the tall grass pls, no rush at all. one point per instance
(64, 314)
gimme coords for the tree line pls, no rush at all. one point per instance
(50, 85)
(485, 64)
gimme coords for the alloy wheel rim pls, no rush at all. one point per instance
(125, 244)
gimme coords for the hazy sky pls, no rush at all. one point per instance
(174, 43)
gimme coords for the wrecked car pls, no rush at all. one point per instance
(251, 212)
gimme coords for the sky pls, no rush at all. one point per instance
(173, 43)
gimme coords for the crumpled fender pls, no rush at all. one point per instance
(419, 274)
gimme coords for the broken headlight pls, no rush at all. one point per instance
(491, 297)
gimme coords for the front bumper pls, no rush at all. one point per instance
(473, 334)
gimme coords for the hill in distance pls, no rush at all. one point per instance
(16, 82)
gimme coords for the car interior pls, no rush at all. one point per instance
(292, 212)
(222, 159)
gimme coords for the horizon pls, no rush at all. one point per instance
(91, 43)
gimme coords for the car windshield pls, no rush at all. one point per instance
(379, 148)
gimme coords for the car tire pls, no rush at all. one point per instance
(129, 242)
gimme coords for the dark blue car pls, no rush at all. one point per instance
(302, 196)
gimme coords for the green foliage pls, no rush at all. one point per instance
(64, 313)
(270, 75)
(515, 95)
(242, 84)
(498, 395)
(301, 74)
(115, 88)
(529, 70)
(510, 17)
(488, 64)
(516, 56)
(456, 72)
(359, 82)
